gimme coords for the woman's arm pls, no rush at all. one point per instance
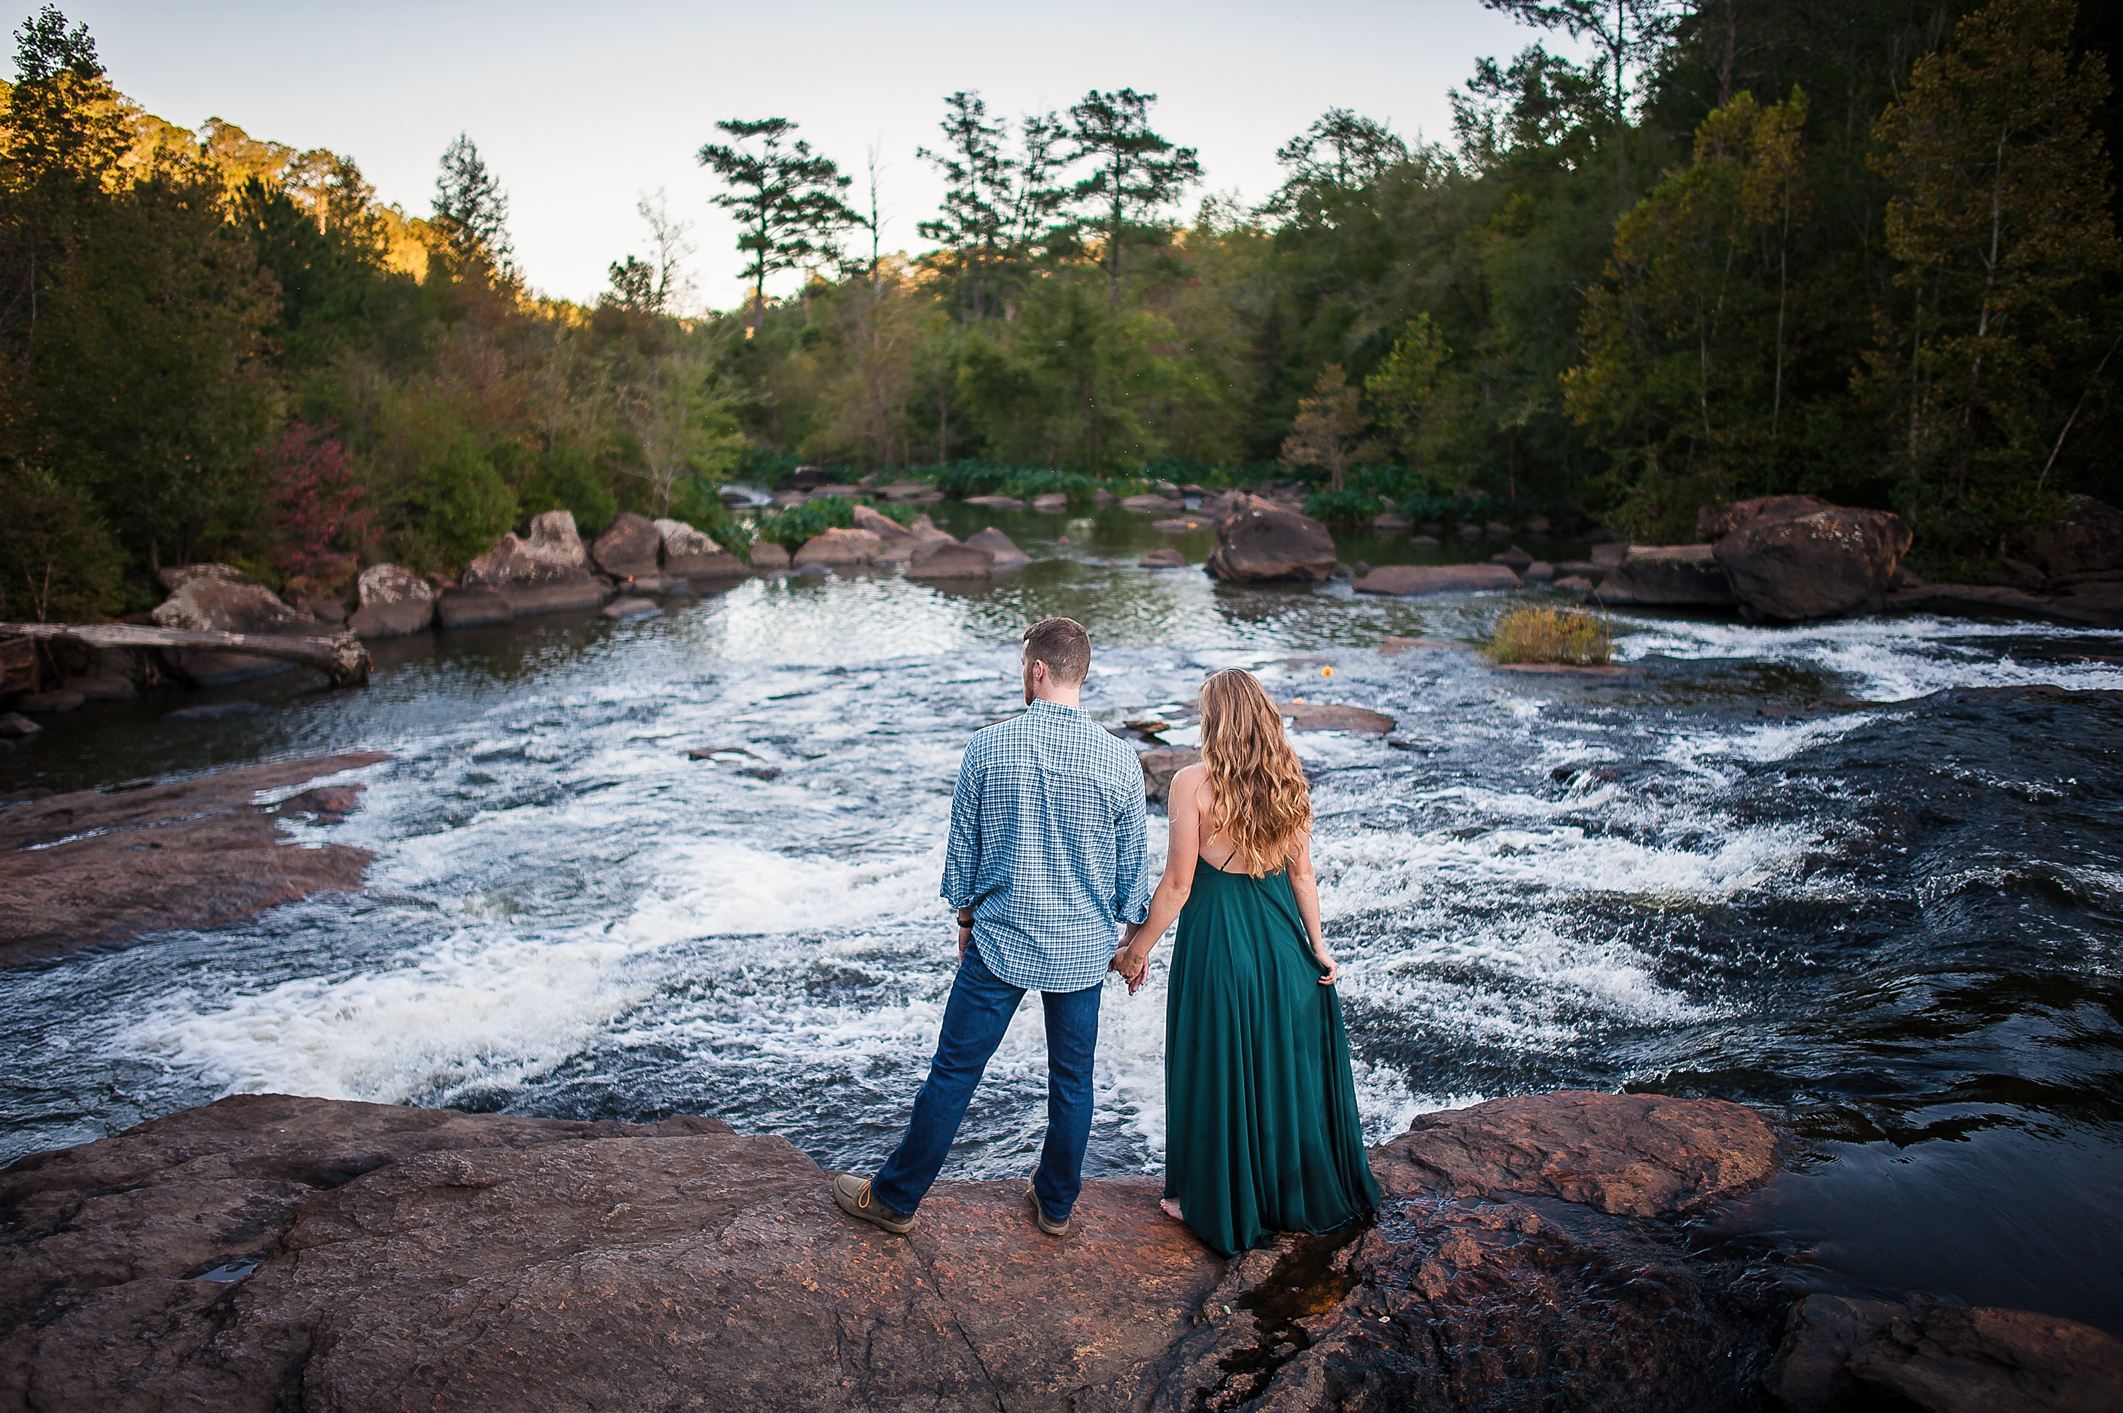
(1306, 886)
(1182, 844)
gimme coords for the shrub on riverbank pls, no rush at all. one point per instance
(1561, 635)
(791, 525)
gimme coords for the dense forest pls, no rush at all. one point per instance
(1865, 249)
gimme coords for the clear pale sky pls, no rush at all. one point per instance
(580, 109)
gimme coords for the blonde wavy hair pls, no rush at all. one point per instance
(1262, 803)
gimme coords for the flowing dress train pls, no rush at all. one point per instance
(1262, 1133)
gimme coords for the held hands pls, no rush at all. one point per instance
(1133, 964)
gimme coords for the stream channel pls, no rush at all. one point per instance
(1806, 869)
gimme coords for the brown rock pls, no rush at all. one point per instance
(839, 549)
(1052, 502)
(1686, 576)
(323, 610)
(1538, 572)
(1831, 562)
(531, 578)
(1638, 1155)
(1160, 765)
(1004, 550)
(1840, 1354)
(1392, 523)
(394, 602)
(1183, 525)
(14, 723)
(996, 502)
(1262, 542)
(472, 608)
(629, 548)
(2087, 538)
(173, 577)
(1715, 522)
(948, 559)
(1515, 559)
(553, 536)
(1411, 579)
(1609, 555)
(1328, 716)
(411, 1257)
(1163, 559)
(1151, 504)
(879, 524)
(215, 598)
(50, 703)
(1575, 584)
(187, 853)
(107, 688)
(629, 607)
(691, 554)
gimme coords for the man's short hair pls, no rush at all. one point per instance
(1064, 646)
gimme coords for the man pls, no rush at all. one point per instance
(1045, 860)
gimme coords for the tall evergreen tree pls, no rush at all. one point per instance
(1137, 173)
(471, 209)
(786, 198)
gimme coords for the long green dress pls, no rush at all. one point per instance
(1261, 1132)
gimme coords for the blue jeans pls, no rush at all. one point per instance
(974, 1021)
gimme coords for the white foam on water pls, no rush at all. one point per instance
(721, 888)
(482, 1008)
(1881, 659)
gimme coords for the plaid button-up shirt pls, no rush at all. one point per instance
(1047, 841)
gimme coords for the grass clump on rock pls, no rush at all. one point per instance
(1532, 634)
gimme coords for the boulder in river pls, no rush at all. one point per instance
(552, 535)
(768, 557)
(626, 608)
(1786, 567)
(1715, 522)
(838, 549)
(1051, 502)
(1000, 547)
(14, 723)
(217, 598)
(1514, 559)
(1411, 579)
(472, 608)
(394, 602)
(532, 578)
(50, 703)
(94, 867)
(2087, 538)
(1261, 542)
(1151, 504)
(1163, 559)
(948, 559)
(1676, 576)
(629, 547)
(692, 554)
(1159, 765)
(103, 687)
(1331, 716)
(879, 524)
(1839, 1354)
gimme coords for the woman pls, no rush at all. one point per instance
(1261, 1131)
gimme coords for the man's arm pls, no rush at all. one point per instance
(1131, 878)
(962, 850)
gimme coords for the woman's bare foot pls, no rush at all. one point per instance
(1170, 1209)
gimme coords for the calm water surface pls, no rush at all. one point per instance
(1807, 869)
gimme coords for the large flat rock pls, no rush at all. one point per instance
(1409, 580)
(93, 867)
(415, 1259)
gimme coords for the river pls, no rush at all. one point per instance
(1803, 868)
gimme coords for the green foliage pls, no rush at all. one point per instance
(1368, 491)
(2007, 306)
(791, 525)
(1534, 634)
(442, 501)
(567, 478)
(57, 561)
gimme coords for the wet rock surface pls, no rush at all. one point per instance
(1677, 576)
(1818, 565)
(270, 1252)
(394, 603)
(1408, 580)
(630, 548)
(94, 867)
(1841, 1355)
(1261, 542)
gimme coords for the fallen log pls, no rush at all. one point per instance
(341, 658)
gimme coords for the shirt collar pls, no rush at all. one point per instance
(1043, 706)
